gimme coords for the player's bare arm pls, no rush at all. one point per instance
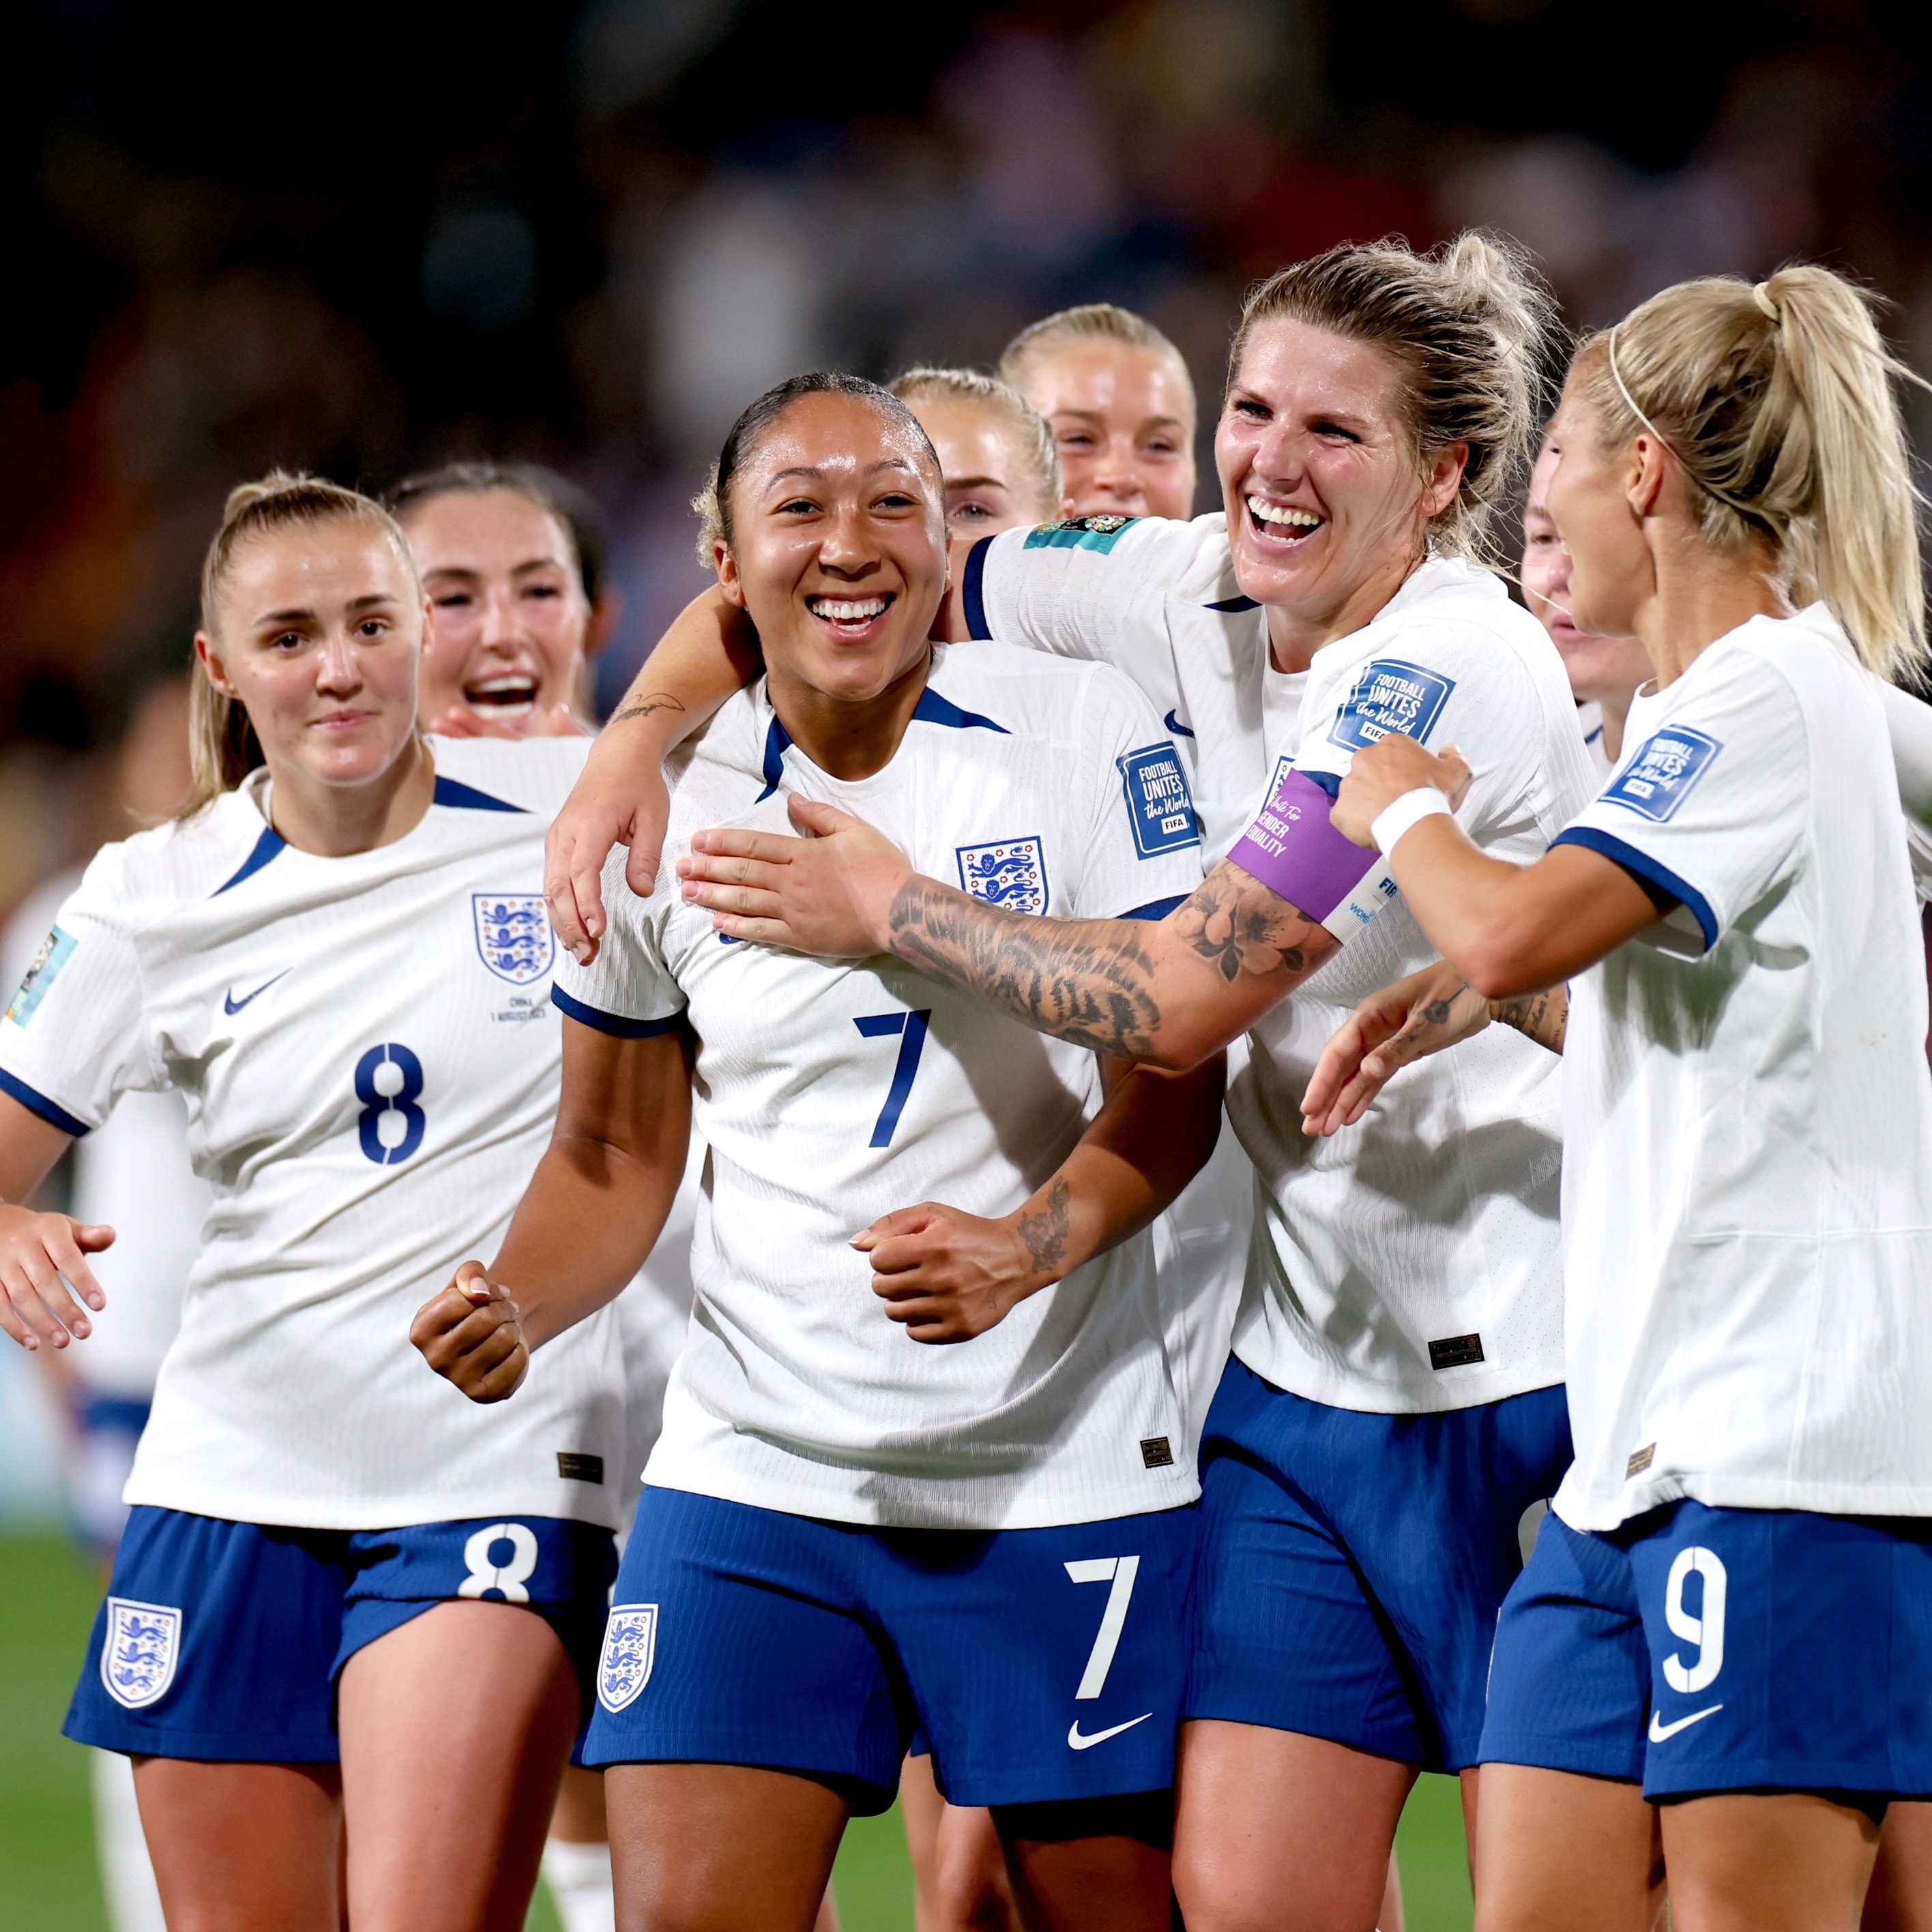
(586, 1222)
(1169, 992)
(709, 652)
(37, 1250)
(950, 1276)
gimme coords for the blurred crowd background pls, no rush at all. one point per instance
(364, 237)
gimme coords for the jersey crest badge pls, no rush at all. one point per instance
(630, 1649)
(1391, 697)
(1160, 806)
(1663, 773)
(139, 1655)
(1011, 875)
(1099, 533)
(56, 949)
(513, 935)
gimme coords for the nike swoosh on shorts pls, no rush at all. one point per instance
(1076, 1742)
(1662, 1733)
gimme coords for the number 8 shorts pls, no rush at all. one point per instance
(1045, 1665)
(1699, 1650)
(223, 1641)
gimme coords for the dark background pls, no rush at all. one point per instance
(361, 237)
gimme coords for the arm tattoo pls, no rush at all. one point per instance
(1092, 981)
(1044, 1230)
(643, 707)
(1544, 1016)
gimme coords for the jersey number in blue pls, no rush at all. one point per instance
(389, 1082)
(910, 1028)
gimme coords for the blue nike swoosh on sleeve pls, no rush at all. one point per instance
(1174, 724)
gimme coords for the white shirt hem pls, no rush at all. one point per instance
(442, 1505)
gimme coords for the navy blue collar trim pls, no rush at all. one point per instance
(467, 798)
(776, 740)
(931, 709)
(266, 848)
(1232, 605)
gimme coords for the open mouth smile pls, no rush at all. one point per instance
(1281, 523)
(849, 616)
(513, 695)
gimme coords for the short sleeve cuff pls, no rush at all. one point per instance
(1155, 909)
(973, 590)
(1646, 870)
(619, 1026)
(37, 1102)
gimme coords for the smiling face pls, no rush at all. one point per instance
(318, 630)
(838, 547)
(508, 618)
(1326, 503)
(1602, 669)
(1122, 418)
(989, 485)
(1587, 492)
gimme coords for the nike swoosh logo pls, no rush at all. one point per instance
(231, 1005)
(1174, 724)
(1076, 1742)
(1662, 1733)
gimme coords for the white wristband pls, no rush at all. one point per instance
(1425, 801)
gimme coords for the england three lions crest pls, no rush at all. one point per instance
(139, 1653)
(630, 1649)
(1011, 875)
(513, 934)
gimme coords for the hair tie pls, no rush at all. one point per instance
(1709, 489)
(1761, 294)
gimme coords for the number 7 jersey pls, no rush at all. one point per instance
(370, 1062)
(831, 1093)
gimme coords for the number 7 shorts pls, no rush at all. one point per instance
(1699, 1650)
(1044, 1665)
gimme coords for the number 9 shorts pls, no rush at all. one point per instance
(1044, 1665)
(1699, 1650)
(223, 1641)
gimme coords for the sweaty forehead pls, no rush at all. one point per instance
(840, 435)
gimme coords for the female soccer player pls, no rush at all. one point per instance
(1117, 394)
(338, 956)
(1604, 672)
(995, 451)
(843, 1530)
(1729, 1612)
(1393, 1407)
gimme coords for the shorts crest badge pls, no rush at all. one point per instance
(513, 935)
(630, 1649)
(1011, 874)
(141, 1650)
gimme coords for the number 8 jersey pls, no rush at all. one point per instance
(829, 1093)
(370, 1062)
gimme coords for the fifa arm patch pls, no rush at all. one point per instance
(55, 951)
(1160, 808)
(1294, 850)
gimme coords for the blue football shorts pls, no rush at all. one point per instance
(1352, 1564)
(1699, 1650)
(223, 1641)
(1043, 1665)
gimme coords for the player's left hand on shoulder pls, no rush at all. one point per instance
(471, 1334)
(1388, 770)
(946, 1274)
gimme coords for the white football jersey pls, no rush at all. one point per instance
(1411, 1262)
(829, 1093)
(1590, 722)
(1748, 1182)
(369, 1059)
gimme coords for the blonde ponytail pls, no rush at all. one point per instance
(222, 749)
(1778, 401)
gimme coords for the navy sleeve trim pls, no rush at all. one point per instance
(1648, 873)
(1155, 909)
(616, 1024)
(972, 591)
(467, 798)
(270, 843)
(39, 1103)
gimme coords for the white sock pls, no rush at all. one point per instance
(127, 1875)
(579, 1878)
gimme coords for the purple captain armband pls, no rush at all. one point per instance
(1294, 850)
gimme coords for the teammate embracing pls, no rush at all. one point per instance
(847, 1527)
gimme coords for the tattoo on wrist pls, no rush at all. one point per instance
(1238, 926)
(643, 707)
(1544, 1016)
(1045, 1229)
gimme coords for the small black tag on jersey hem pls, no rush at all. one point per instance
(1640, 1460)
(1455, 1352)
(575, 1469)
(1155, 1453)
